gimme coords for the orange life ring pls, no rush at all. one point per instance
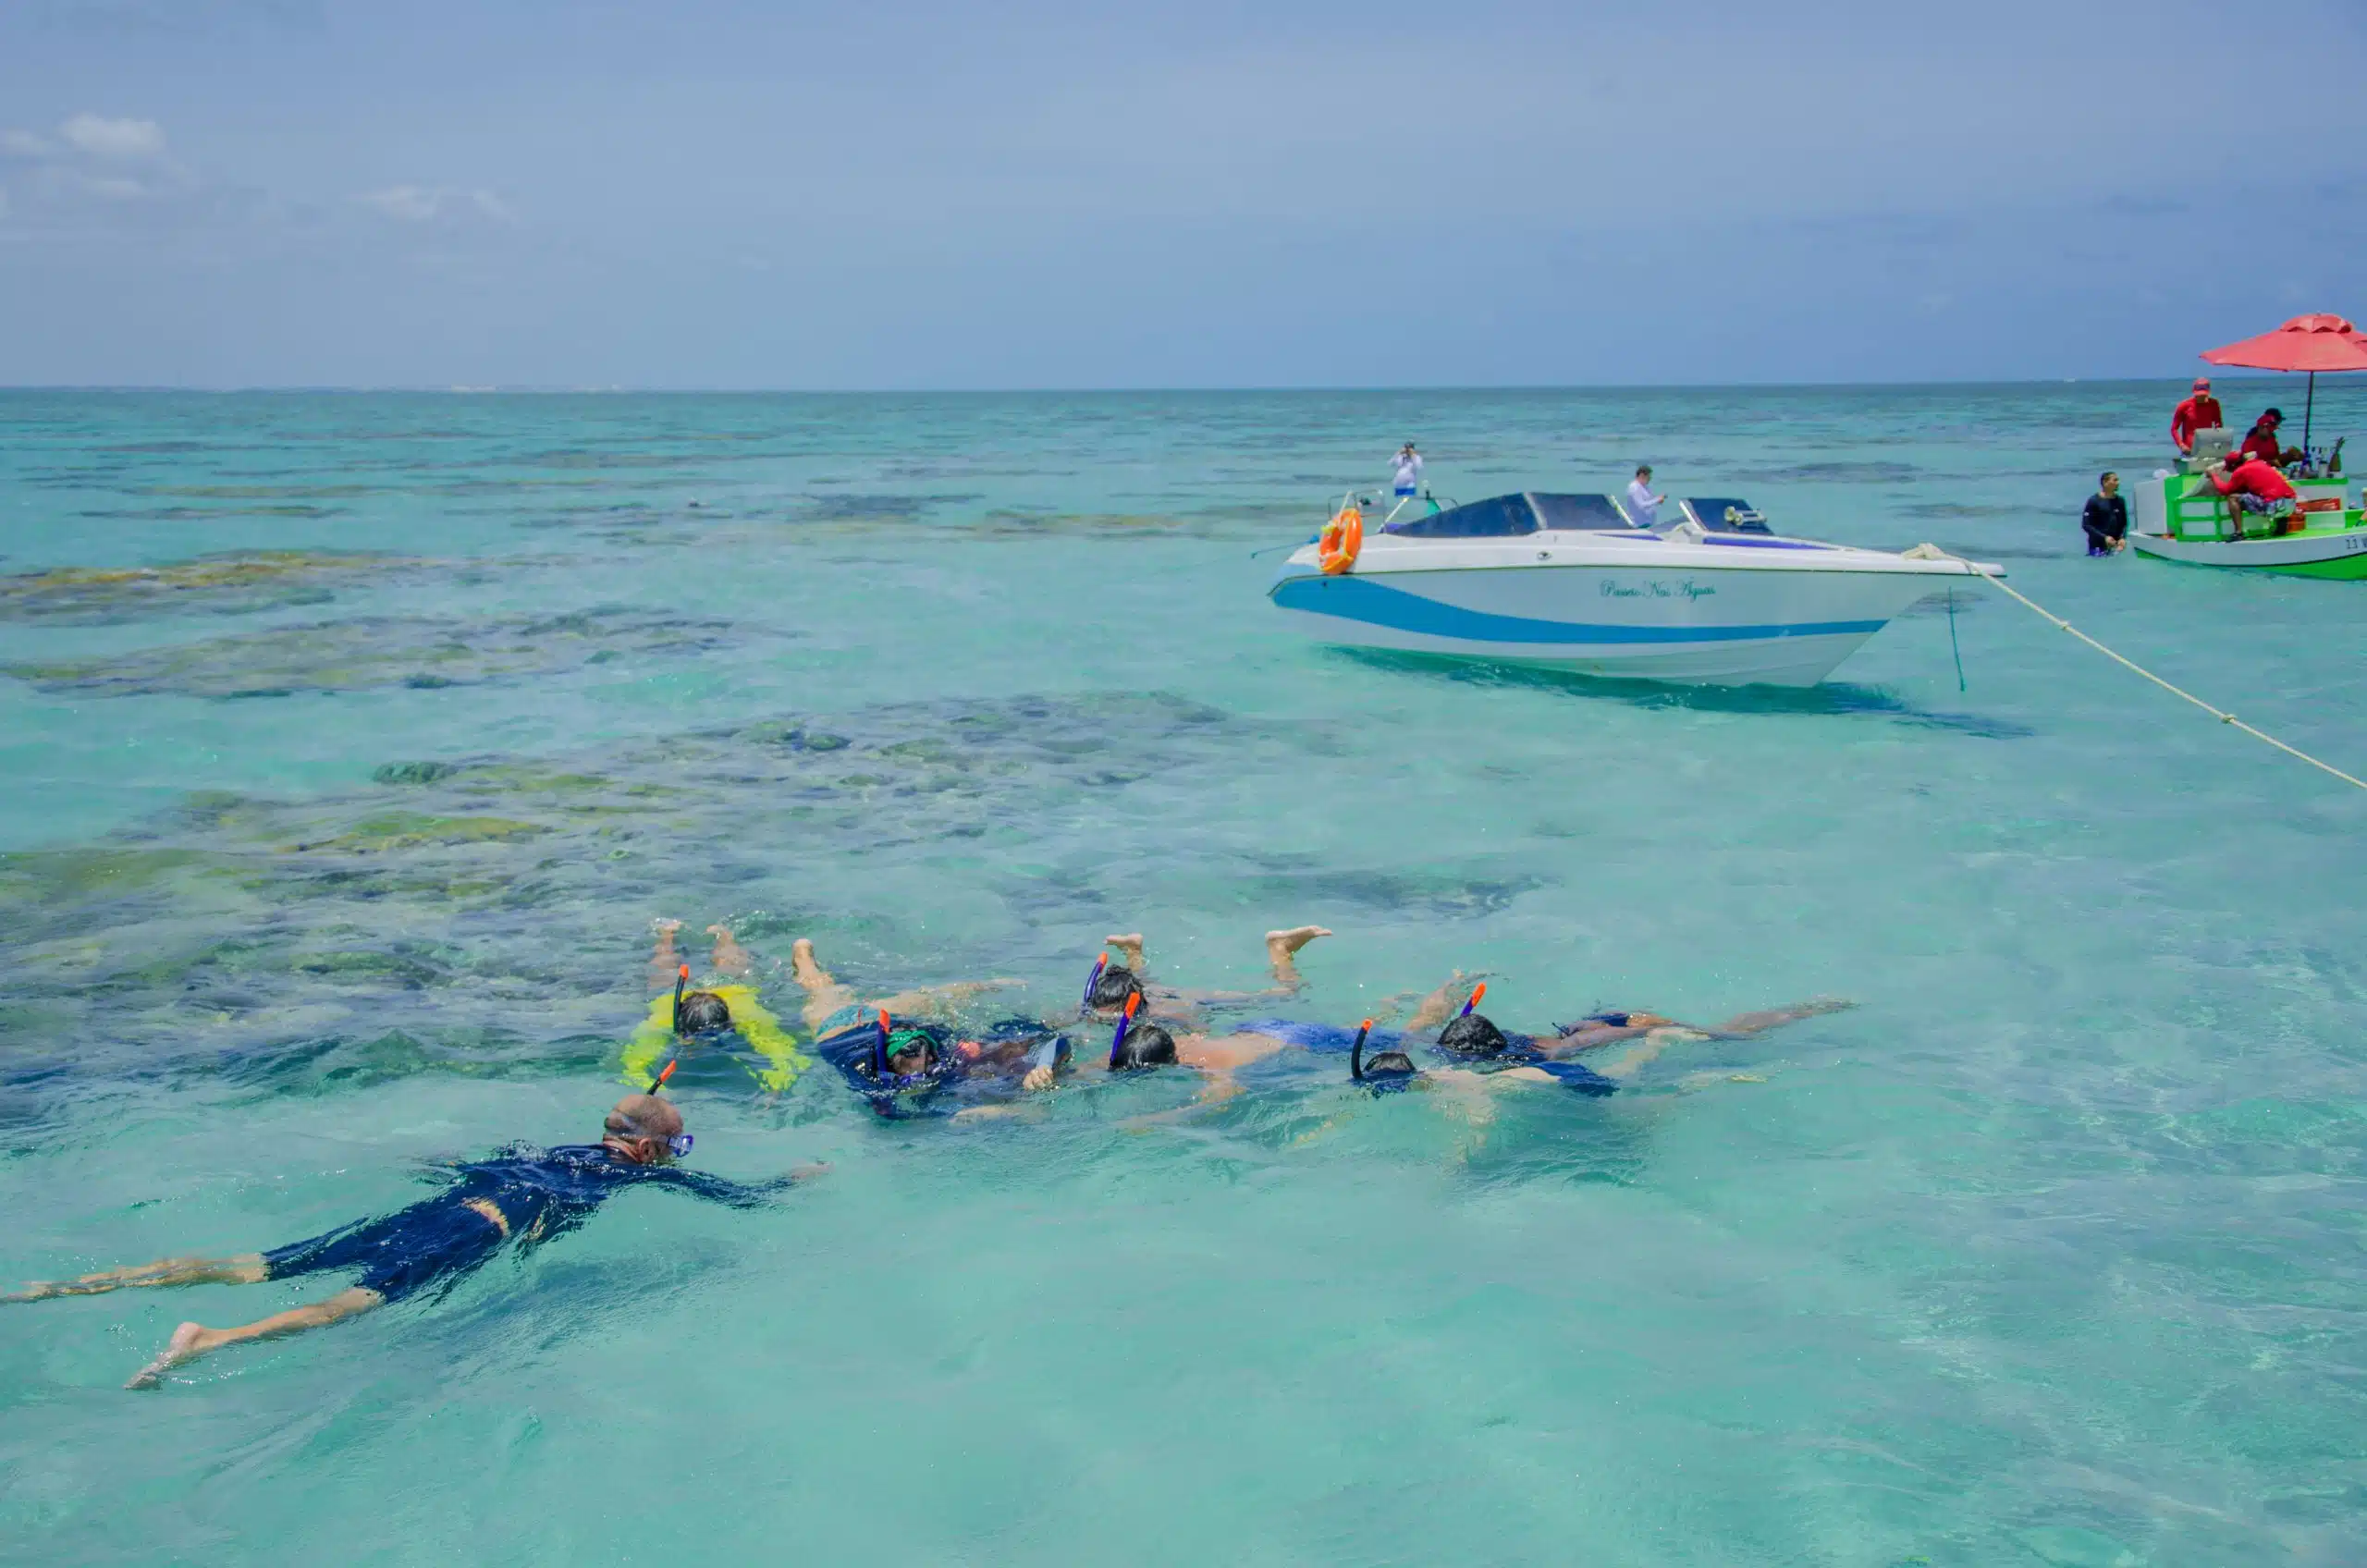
(1344, 536)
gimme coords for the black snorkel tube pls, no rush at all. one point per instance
(681, 979)
(1357, 1052)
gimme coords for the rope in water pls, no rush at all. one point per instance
(2221, 715)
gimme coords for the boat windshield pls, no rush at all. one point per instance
(1501, 517)
(1579, 512)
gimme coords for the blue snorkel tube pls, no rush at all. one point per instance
(1100, 965)
(879, 1050)
(1119, 1039)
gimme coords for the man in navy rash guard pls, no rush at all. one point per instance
(518, 1195)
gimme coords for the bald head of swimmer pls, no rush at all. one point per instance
(704, 1013)
(1146, 1045)
(1112, 988)
(642, 1128)
(1473, 1036)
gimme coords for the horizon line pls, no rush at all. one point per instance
(464, 389)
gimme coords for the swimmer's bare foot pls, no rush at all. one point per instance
(1281, 951)
(1281, 945)
(1130, 949)
(730, 958)
(189, 1341)
(663, 927)
(802, 964)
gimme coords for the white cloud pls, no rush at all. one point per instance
(425, 203)
(116, 188)
(412, 203)
(103, 138)
(24, 144)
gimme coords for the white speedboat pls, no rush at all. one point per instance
(1564, 580)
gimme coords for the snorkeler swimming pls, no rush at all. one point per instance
(1469, 1049)
(906, 1068)
(518, 1194)
(726, 1004)
(1108, 985)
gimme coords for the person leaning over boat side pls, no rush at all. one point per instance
(519, 1193)
(2201, 412)
(1643, 507)
(1406, 470)
(2252, 485)
(2106, 521)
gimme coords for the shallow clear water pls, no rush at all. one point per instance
(2049, 1251)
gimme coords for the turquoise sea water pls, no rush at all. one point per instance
(323, 867)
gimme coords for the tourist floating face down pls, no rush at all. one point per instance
(902, 1057)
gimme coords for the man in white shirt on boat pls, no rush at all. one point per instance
(1407, 467)
(1643, 507)
(1406, 474)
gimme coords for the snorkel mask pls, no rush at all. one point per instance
(1387, 1070)
(889, 1041)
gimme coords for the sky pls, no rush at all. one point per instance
(1048, 193)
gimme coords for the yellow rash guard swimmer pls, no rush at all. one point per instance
(646, 1050)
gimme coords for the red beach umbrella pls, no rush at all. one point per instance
(2312, 343)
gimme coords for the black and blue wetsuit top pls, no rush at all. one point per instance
(956, 1078)
(539, 1195)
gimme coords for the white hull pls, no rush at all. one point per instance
(2286, 550)
(1777, 613)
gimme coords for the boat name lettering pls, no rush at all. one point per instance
(1685, 589)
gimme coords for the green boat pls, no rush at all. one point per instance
(2181, 517)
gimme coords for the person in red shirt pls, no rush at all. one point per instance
(2201, 412)
(2262, 444)
(2253, 486)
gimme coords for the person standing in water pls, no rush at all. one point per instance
(2106, 521)
(1644, 507)
(518, 1194)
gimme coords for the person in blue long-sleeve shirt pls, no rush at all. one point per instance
(519, 1194)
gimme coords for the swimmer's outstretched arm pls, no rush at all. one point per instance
(929, 1001)
(193, 1339)
(1743, 1025)
(1444, 1003)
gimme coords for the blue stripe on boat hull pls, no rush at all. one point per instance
(1360, 599)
